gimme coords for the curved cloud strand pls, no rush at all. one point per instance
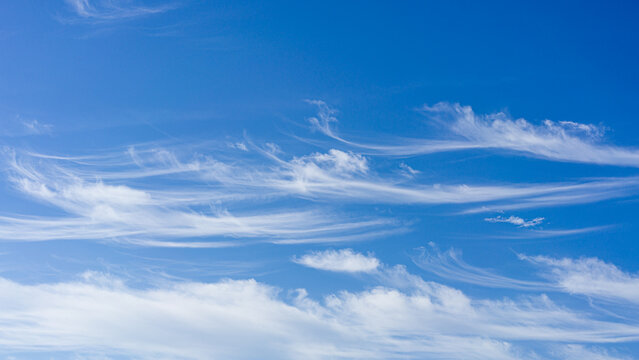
(148, 195)
(450, 265)
(590, 277)
(113, 10)
(557, 141)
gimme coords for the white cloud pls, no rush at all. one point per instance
(566, 194)
(325, 116)
(240, 146)
(112, 10)
(558, 141)
(337, 161)
(346, 176)
(407, 170)
(584, 276)
(96, 210)
(34, 127)
(336, 174)
(450, 265)
(589, 276)
(103, 196)
(538, 234)
(244, 319)
(515, 220)
(345, 260)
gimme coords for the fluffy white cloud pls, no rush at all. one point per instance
(344, 260)
(244, 319)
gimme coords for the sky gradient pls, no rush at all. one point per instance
(319, 180)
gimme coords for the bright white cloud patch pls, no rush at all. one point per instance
(515, 220)
(338, 161)
(245, 319)
(345, 260)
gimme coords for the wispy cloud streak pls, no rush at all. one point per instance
(450, 265)
(144, 195)
(584, 276)
(590, 277)
(113, 10)
(558, 141)
(95, 210)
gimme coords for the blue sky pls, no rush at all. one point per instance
(329, 180)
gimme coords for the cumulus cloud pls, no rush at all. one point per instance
(345, 260)
(244, 319)
(515, 220)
